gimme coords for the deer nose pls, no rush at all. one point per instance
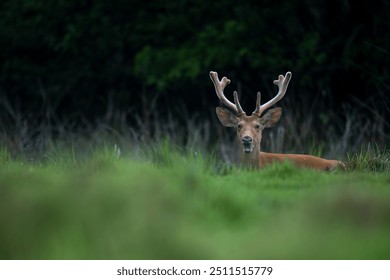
(247, 140)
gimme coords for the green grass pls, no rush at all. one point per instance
(372, 159)
(185, 206)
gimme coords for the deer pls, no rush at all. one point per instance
(250, 128)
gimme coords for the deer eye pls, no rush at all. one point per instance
(239, 126)
(257, 126)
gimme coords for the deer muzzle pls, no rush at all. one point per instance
(247, 143)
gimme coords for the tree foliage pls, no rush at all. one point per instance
(76, 55)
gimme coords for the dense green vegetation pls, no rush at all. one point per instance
(184, 206)
(71, 59)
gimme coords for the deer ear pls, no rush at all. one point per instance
(226, 117)
(271, 117)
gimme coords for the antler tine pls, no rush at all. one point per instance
(219, 87)
(258, 100)
(282, 83)
(237, 102)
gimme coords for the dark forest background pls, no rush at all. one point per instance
(140, 69)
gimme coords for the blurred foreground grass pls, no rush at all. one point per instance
(182, 207)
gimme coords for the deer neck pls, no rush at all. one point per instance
(251, 160)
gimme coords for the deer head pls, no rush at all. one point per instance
(249, 128)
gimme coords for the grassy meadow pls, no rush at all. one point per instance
(184, 205)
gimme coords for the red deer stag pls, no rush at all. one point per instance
(250, 128)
